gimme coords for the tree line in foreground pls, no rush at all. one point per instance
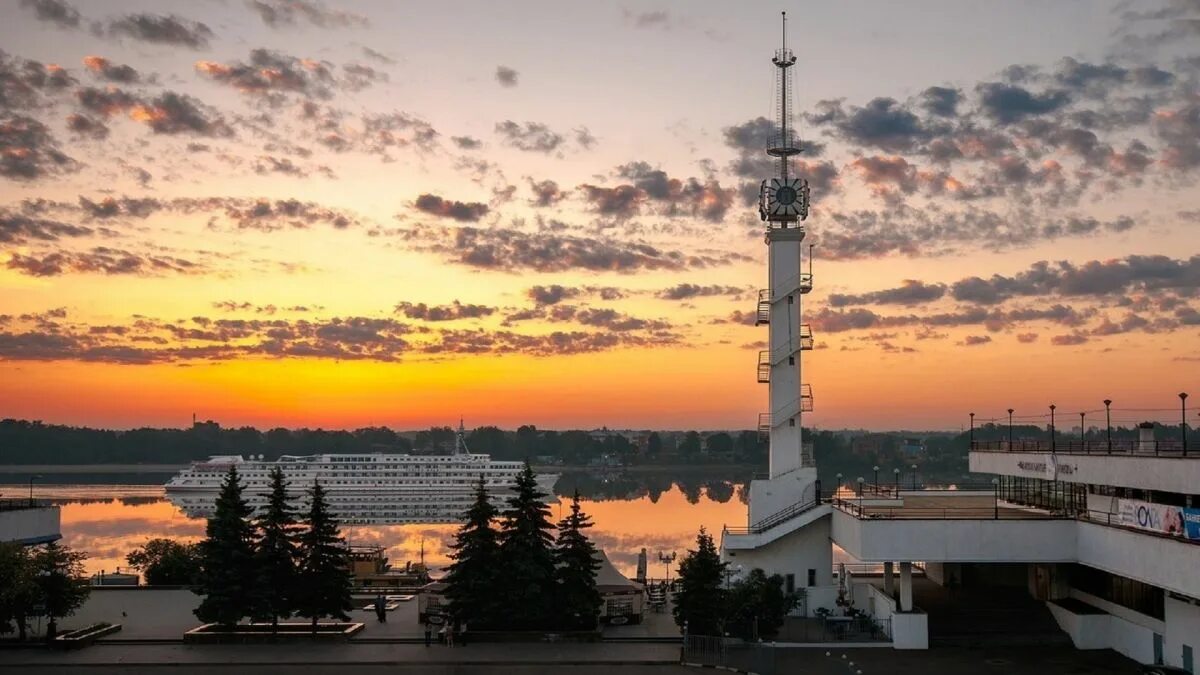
(272, 566)
(510, 572)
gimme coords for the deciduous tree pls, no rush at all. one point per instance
(61, 585)
(166, 562)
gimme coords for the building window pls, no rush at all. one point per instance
(790, 583)
(812, 577)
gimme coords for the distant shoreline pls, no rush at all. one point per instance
(175, 468)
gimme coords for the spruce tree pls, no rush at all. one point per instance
(576, 564)
(228, 580)
(323, 580)
(700, 602)
(277, 555)
(527, 582)
(471, 579)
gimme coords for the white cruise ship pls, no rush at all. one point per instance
(375, 488)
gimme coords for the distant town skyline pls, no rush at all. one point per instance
(320, 214)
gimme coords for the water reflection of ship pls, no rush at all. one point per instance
(373, 489)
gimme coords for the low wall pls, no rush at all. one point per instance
(910, 630)
(1087, 631)
(30, 526)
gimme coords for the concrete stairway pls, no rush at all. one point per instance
(986, 616)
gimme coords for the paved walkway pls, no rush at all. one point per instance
(345, 655)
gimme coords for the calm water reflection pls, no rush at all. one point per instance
(630, 512)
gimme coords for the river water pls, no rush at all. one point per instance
(107, 516)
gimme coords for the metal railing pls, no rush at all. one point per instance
(21, 504)
(1162, 448)
(777, 518)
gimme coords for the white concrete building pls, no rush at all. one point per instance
(1098, 542)
(29, 521)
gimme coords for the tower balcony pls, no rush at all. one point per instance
(764, 307)
(767, 359)
(802, 403)
(764, 426)
(801, 282)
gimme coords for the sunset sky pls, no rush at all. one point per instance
(302, 213)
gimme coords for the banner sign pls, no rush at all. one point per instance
(1155, 517)
(1191, 523)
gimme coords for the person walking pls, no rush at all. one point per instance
(380, 608)
(428, 634)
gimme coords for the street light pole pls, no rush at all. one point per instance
(1052, 407)
(1010, 412)
(1183, 419)
(860, 496)
(1108, 423)
(914, 476)
(972, 437)
(996, 498)
(1081, 431)
(876, 470)
(31, 479)
(896, 472)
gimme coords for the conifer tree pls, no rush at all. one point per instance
(527, 582)
(700, 602)
(228, 580)
(576, 564)
(323, 579)
(473, 575)
(277, 555)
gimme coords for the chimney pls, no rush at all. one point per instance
(1146, 437)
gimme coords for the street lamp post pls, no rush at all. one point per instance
(1081, 431)
(1183, 419)
(667, 560)
(1052, 407)
(996, 498)
(914, 476)
(896, 473)
(860, 496)
(876, 470)
(31, 479)
(1108, 423)
(839, 487)
(1010, 412)
(972, 437)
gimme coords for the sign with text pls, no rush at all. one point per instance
(1191, 523)
(1160, 518)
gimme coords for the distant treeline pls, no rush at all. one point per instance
(27, 442)
(848, 453)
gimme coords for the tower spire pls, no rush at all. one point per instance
(784, 199)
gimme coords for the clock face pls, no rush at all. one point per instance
(785, 196)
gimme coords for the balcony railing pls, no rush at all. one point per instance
(764, 367)
(1164, 448)
(764, 307)
(23, 504)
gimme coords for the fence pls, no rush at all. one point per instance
(1168, 447)
(711, 651)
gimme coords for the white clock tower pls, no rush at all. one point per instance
(783, 205)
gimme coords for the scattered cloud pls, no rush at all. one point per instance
(446, 208)
(451, 312)
(162, 29)
(289, 13)
(507, 77)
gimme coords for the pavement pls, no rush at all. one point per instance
(538, 659)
